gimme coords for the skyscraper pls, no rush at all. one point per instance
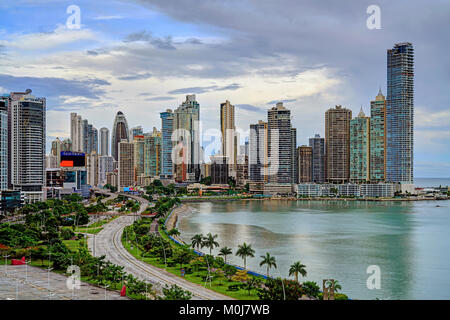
(318, 158)
(295, 167)
(152, 152)
(219, 169)
(139, 155)
(400, 113)
(257, 156)
(105, 165)
(187, 137)
(136, 131)
(92, 167)
(166, 140)
(28, 144)
(3, 145)
(125, 151)
(119, 132)
(305, 155)
(337, 142)
(280, 144)
(228, 130)
(104, 141)
(360, 148)
(76, 132)
(378, 139)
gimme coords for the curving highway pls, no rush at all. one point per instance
(108, 243)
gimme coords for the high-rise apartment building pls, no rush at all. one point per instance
(378, 138)
(136, 131)
(228, 130)
(305, 163)
(119, 133)
(400, 114)
(152, 152)
(280, 144)
(27, 140)
(92, 167)
(139, 155)
(166, 142)
(187, 139)
(318, 158)
(3, 145)
(76, 132)
(104, 141)
(337, 143)
(360, 148)
(257, 156)
(105, 166)
(126, 164)
(295, 167)
(219, 169)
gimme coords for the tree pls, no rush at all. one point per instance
(269, 261)
(335, 284)
(280, 289)
(251, 284)
(173, 232)
(210, 242)
(175, 293)
(311, 289)
(225, 251)
(197, 241)
(240, 276)
(245, 251)
(296, 268)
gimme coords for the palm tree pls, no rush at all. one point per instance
(210, 242)
(296, 268)
(335, 284)
(244, 251)
(224, 252)
(269, 261)
(197, 241)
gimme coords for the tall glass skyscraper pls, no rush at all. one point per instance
(318, 158)
(400, 113)
(378, 138)
(360, 148)
(166, 137)
(3, 145)
(119, 132)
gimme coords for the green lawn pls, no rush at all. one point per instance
(74, 245)
(219, 286)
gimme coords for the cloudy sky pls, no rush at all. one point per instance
(143, 56)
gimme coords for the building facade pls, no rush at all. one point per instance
(378, 138)
(105, 165)
(305, 163)
(166, 143)
(360, 148)
(257, 156)
(125, 177)
(152, 154)
(219, 169)
(337, 142)
(318, 158)
(104, 141)
(228, 130)
(119, 133)
(3, 145)
(400, 114)
(187, 151)
(280, 144)
(28, 140)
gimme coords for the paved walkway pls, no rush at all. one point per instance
(32, 283)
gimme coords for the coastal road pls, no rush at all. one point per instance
(108, 242)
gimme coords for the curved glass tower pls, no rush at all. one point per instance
(119, 132)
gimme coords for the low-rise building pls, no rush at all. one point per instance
(379, 190)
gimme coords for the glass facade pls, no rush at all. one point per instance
(166, 136)
(359, 148)
(378, 139)
(400, 113)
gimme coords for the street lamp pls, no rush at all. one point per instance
(6, 264)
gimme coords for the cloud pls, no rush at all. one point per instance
(198, 90)
(161, 43)
(107, 17)
(139, 76)
(283, 101)
(249, 107)
(160, 99)
(45, 40)
(47, 86)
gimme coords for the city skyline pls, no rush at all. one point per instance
(170, 63)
